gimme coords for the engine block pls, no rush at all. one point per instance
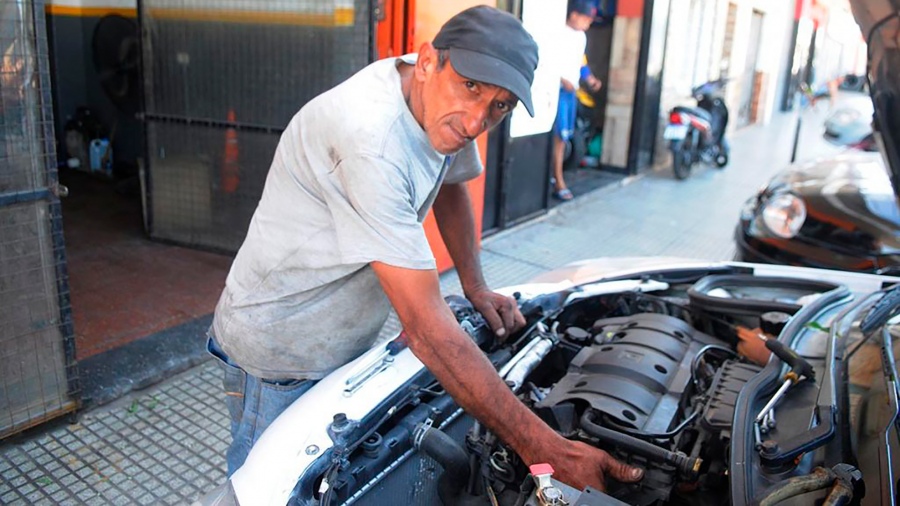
(637, 371)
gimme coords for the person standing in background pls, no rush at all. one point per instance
(570, 52)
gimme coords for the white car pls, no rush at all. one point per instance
(638, 357)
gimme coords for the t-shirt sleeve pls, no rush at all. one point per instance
(466, 165)
(374, 218)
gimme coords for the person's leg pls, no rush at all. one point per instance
(563, 129)
(253, 404)
(559, 150)
(264, 401)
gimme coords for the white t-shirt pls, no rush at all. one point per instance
(568, 48)
(352, 180)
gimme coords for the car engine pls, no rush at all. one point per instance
(649, 389)
(651, 378)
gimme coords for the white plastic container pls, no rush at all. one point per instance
(100, 153)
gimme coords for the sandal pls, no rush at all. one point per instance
(564, 194)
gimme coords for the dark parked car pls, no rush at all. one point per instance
(837, 213)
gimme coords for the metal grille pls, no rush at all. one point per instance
(222, 78)
(37, 372)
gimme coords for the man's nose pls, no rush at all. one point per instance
(475, 122)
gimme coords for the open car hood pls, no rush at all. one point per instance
(879, 21)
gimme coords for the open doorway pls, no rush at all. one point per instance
(123, 287)
(584, 172)
(151, 224)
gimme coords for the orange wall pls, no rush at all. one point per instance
(429, 16)
(630, 8)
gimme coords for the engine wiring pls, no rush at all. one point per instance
(649, 435)
(703, 351)
(687, 309)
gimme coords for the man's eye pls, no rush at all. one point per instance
(503, 106)
(471, 85)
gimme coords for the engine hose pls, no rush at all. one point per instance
(687, 466)
(841, 494)
(443, 449)
(817, 480)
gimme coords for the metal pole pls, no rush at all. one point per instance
(797, 136)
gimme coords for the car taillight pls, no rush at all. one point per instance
(676, 118)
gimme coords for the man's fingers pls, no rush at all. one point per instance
(520, 319)
(507, 311)
(493, 319)
(622, 472)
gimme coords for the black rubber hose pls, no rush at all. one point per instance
(443, 449)
(688, 466)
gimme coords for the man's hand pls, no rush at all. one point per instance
(752, 345)
(580, 465)
(593, 83)
(566, 85)
(501, 312)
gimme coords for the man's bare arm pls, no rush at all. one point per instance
(436, 339)
(453, 211)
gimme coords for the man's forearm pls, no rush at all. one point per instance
(474, 384)
(453, 212)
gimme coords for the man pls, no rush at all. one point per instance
(337, 238)
(570, 52)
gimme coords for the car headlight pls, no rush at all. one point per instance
(783, 215)
(748, 211)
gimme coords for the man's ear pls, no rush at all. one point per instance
(427, 61)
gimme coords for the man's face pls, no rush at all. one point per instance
(455, 109)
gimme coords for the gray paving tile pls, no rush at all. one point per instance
(34, 497)
(9, 498)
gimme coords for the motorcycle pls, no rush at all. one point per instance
(698, 133)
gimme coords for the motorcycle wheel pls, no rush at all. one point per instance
(682, 159)
(721, 160)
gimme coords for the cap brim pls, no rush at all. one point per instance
(487, 69)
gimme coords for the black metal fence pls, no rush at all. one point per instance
(38, 377)
(222, 78)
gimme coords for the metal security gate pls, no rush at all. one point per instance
(38, 379)
(222, 78)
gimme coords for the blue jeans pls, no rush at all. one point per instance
(253, 403)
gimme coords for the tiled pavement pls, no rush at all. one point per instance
(166, 445)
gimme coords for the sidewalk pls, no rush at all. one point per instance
(166, 444)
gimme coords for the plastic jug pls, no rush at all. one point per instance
(100, 155)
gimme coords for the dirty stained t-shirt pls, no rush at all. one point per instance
(351, 182)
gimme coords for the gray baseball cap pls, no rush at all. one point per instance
(491, 46)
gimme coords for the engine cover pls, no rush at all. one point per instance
(637, 371)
